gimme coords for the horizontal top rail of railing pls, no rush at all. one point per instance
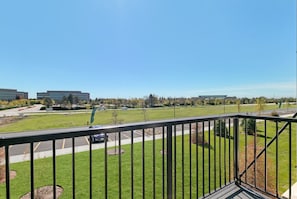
(44, 135)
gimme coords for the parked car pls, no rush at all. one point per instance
(100, 137)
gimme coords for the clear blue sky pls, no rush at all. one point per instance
(131, 48)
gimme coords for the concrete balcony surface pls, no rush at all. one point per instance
(293, 193)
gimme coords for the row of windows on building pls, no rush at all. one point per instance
(13, 94)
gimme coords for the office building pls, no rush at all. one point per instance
(12, 94)
(59, 95)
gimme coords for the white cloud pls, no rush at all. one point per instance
(281, 89)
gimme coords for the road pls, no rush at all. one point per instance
(23, 149)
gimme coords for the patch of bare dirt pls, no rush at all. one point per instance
(8, 120)
(197, 138)
(12, 175)
(256, 173)
(45, 192)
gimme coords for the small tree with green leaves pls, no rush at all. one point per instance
(238, 105)
(48, 102)
(145, 117)
(221, 129)
(260, 104)
(249, 126)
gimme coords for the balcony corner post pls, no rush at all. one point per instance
(236, 149)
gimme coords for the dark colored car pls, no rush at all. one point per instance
(100, 137)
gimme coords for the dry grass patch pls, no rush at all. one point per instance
(257, 169)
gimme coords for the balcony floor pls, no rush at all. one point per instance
(237, 192)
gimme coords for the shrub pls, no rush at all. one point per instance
(221, 129)
(43, 108)
(249, 126)
(275, 114)
(199, 139)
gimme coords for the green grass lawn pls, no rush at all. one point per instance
(280, 170)
(43, 168)
(43, 172)
(184, 169)
(74, 119)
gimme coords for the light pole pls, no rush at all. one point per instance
(224, 105)
(174, 108)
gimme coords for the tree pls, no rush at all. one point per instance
(221, 129)
(48, 102)
(288, 104)
(152, 100)
(238, 105)
(70, 99)
(249, 126)
(64, 101)
(260, 104)
(115, 117)
(144, 114)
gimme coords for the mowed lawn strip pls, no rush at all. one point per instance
(43, 167)
(68, 119)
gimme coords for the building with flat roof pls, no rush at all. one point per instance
(59, 95)
(12, 94)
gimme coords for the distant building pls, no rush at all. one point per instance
(12, 94)
(212, 97)
(59, 95)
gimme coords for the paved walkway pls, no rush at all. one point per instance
(21, 110)
(294, 192)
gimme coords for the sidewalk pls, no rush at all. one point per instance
(294, 192)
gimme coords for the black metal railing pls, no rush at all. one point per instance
(268, 156)
(182, 158)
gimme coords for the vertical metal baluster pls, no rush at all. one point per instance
(197, 162)
(175, 180)
(229, 138)
(236, 149)
(290, 160)
(54, 168)
(120, 165)
(7, 169)
(163, 162)
(276, 158)
(90, 166)
(32, 168)
(183, 163)
(209, 161)
(203, 160)
(132, 164)
(265, 156)
(245, 150)
(143, 163)
(169, 161)
(154, 164)
(73, 168)
(106, 169)
(255, 155)
(220, 152)
(214, 158)
(225, 161)
(190, 160)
